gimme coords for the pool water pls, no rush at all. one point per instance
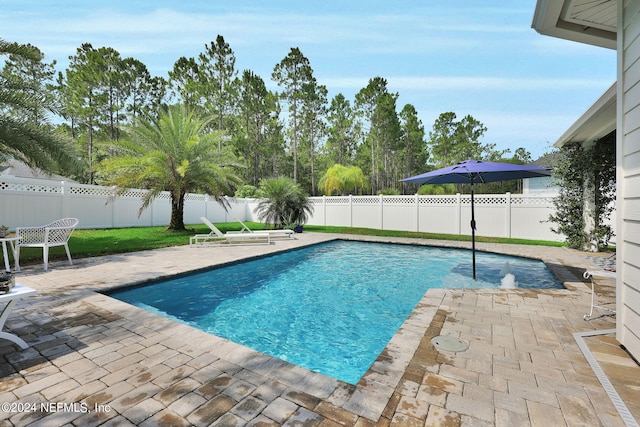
(332, 307)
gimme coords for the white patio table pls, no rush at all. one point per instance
(19, 291)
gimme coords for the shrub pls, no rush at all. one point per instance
(389, 192)
(284, 203)
(248, 192)
(437, 189)
(585, 174)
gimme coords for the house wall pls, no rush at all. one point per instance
(628, 179)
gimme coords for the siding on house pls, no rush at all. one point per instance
(628, 179)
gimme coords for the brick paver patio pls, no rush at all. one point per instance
(93, 360)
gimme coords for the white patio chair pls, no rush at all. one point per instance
(46, 236)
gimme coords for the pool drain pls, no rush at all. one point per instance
(449, 343)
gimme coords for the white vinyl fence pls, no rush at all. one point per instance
(28, 202)
(497, 215)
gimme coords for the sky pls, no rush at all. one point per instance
(470, 57)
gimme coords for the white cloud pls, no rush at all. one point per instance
(165, 28)
(468, 83)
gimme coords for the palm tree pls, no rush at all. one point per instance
(342, 179)
(285, 203)
(35, 143)
(173, 152)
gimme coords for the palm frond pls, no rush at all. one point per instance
(33, 143)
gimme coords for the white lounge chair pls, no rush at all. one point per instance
(231, 238)
(280, 233)
(46, 236)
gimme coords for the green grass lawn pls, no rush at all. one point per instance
(96, 242)
(395, 233)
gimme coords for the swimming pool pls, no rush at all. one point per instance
(331, 307)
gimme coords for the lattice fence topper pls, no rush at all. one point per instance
(337, 200)
(30, 187)
(403, 200)
(129, 193)
(525, 200)
(197, 197)
(498, 200)
(366, 200)
(438, 200)
(134, 193)
(91, 191)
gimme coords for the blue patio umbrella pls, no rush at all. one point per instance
(473, 172)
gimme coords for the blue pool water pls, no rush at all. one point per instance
(332, 307)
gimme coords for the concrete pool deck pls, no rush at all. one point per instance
(93, 360)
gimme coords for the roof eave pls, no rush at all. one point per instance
(598, 121)
(547, 20)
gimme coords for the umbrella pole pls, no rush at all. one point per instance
(473, 232)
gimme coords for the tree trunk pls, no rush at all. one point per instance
(256, 168)
(90, 154)
(295, 142)
(313, 169)
(177, 212)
